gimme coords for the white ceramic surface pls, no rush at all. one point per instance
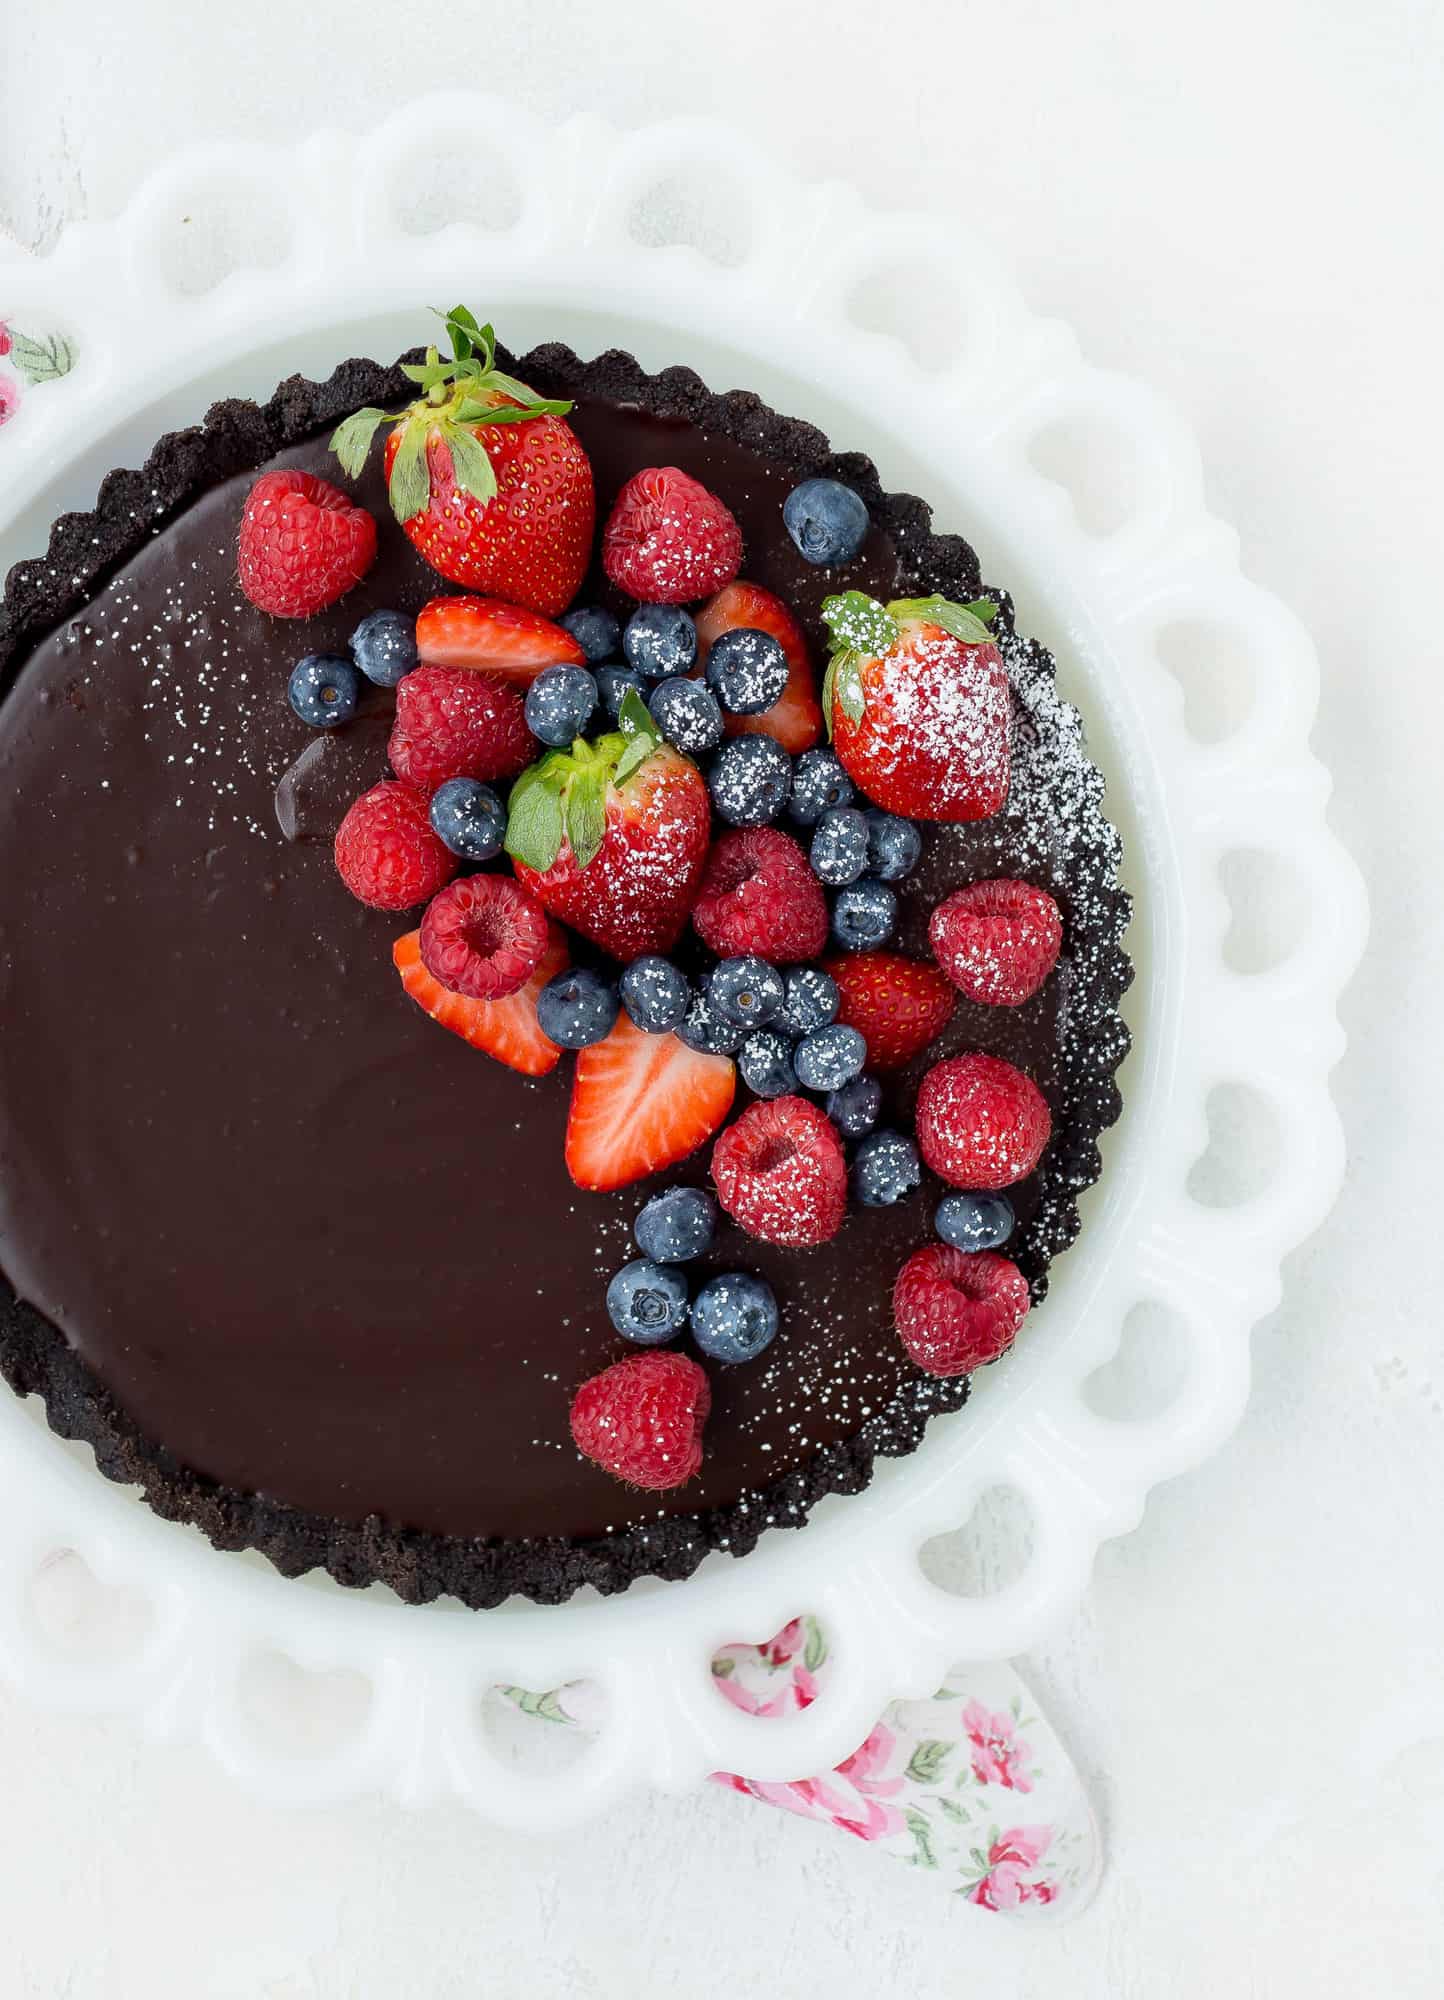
(776, 317)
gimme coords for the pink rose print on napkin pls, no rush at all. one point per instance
(9, 398)
(4, 340)
(999, 1754)
(858, 1805)
(1012, 1878)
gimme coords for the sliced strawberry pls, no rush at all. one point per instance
(641, 1103)
(494, 637)
(898, 1005)
(506, 1029)
(796, 719)
(611, 836)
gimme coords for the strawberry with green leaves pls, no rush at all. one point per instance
(611, 837)
(916, 699)
(490, 484)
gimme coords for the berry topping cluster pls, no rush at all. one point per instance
(628, 839)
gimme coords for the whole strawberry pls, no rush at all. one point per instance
(490, 484)
(303, 544)
(916, 698)
(611, 836)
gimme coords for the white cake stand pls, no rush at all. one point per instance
(777, 286)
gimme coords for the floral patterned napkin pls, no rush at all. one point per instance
(971, 1786)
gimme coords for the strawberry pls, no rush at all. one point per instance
(917, 701)
(668, 540)
(641, 1103)
(507, 1028)
(898, 1005)
(490, 484)
(303, 544)
(501, 639)
(611, 836)
(795, 718)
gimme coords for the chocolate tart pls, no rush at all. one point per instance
(302, 1266)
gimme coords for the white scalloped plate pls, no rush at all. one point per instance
(343, 275)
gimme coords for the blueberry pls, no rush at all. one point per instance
(765, 1060)
(469, 817)
(854, 1108)
(885, 1167)
(818, 784)
(595, 631)
(576, 1008)
(749, 780)
(893, 845)
(839, 847)
(746, 670)
(746, 991)
(655, 994)
(829, 1057)
(974, 1221)
(686, 714)
(660, 640)
(863, 915)
(324, 691)
(384, 647)
(647, 1302)
(613, 682)
(677, 1226)
(704, 1029)
(826, 520)
(734, 1317)
(559, 704)
(811, 1000)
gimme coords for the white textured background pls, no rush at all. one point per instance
(1239, 202)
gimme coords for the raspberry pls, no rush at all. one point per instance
(483, 937)
(955, 1311)
(641, 1419)
(980, 1122)
(668, 540)
(781, 1174)
(997, 941)
(898, 1005)
(386, 852)
(303, 544)
(452, 722)
(759, 895)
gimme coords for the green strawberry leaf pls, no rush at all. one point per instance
(504, 413)
(351, 441)
(859, 624)
(634, 717)
(430, 373)
(842, 683)
(534, 825)
(471, 467)
(462, 327)
(587, 814)
(410, 486)
(638, 750)
(961, 620)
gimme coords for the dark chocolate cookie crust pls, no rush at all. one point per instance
(239, 436)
